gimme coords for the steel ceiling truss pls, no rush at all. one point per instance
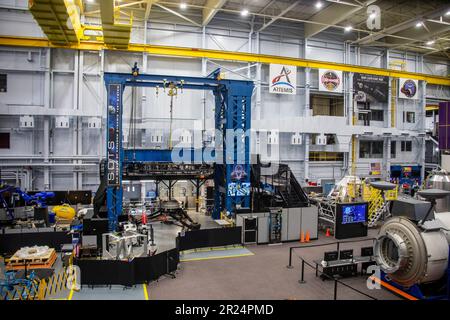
(232, 117)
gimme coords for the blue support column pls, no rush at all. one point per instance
(232, 111)
(219, 167)
(233, 116)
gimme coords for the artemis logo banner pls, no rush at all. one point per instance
(283, 79)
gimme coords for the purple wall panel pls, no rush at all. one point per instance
(444, 126)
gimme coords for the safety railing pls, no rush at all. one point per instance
(56, 283)
(337, 243)
(377, 203)
(22, 292)
(336, 281)
(34, 289)
(317, 271)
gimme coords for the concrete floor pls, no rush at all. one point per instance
(165, 234)
(262, 275)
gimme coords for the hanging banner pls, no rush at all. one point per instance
(114, 135)
(407, 88)
(330, 80)
(283, 79)
(370, 88)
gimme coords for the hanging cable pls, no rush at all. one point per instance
(132, 121)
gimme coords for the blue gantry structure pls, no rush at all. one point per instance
(230, 157)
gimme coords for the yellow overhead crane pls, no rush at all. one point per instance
(224, 56)
(60, 21)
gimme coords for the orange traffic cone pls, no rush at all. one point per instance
(328, 233)
(307, 236)
(302, 237)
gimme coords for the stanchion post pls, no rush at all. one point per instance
(289, 266)
(302, 278)
(335, 289)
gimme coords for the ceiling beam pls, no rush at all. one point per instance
(148, 7)
(210, 10)
(120, 6)
(333, 14)
(397, 28)
(419, 34)
(178, 14)
(292, 6)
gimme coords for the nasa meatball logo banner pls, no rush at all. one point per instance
(407, 88)
(330, 80)
(283, 79)
(370, 87)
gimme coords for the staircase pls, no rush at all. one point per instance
(377, 214)
(291, 198)
(284, 188)
(291, 191)
(377, 207)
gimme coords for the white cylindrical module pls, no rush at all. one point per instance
(444, 218)
(409, 255)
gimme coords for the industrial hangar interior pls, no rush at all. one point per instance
(224, 150)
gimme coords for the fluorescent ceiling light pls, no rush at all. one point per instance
(319, 4)
(183, 6)
(447, 13)
(348, 28)
(419, 24)
(244, 12)
(372, 15)
(430, 43)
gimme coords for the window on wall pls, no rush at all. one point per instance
(409, 117)
(377, 115)
(406, 146)
(327, 106)
(393, 149)
(4, 140)
(3, 86)
(325, 156)
(370, 149)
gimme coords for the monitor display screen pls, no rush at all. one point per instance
(354, 213)
(346, 254)
(366, 251)
(330, 256)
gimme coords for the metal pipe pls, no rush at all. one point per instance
(335, 289)
(302, 278)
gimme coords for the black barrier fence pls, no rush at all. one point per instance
(206, 238)
(337, 243)
(127, 273)
(11, 242)
(336, 281)
(321, 272)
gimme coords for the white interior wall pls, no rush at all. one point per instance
(75, 89)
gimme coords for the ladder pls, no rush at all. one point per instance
(377, 214)
(377, 206)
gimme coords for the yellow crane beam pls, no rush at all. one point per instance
(226, 56)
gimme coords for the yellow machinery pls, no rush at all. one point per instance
(371, 195)
(64, 211)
